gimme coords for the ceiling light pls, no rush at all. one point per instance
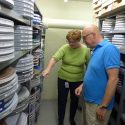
(65, 0)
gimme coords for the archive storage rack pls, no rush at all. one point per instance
(111, 17)
(20, 97)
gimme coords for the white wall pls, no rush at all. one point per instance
(58, 9)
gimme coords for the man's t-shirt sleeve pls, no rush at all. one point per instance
(111, 57)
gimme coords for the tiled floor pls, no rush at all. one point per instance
(48, 114)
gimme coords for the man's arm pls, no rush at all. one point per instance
(111, 86)
(78, 90)
(112, 65)
(109, 92)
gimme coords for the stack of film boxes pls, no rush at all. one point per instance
(105, 6)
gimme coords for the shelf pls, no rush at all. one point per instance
(113, 13)
(11, 14)
(119, 32)
(44, 26)
(37, 27)
(114, 32)
(40, 27)
(110, 33)
(18, 55)
(35, 46)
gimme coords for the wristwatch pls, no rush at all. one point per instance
(103, 107)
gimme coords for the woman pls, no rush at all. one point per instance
(74, 56)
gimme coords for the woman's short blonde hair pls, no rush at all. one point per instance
(74, 35)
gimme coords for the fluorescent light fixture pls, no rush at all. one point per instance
(66, 0)
(68, 24)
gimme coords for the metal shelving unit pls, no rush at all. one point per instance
(14, 16)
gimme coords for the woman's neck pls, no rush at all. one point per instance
(80, 45)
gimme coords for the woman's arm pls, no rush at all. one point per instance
(56, 57)
(46, 72)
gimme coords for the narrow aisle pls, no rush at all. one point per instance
(48, 114)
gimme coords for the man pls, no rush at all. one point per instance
(101, 77)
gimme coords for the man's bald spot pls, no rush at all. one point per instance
(91, 29)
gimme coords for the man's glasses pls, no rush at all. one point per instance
(85, 37)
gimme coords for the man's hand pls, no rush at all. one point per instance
(78, 90)
(45, 73)
(101, 114)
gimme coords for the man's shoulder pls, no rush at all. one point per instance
(110, 48)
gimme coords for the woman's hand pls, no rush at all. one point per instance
(78, 90)
(45, 73)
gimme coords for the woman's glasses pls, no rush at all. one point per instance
(73, 42)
